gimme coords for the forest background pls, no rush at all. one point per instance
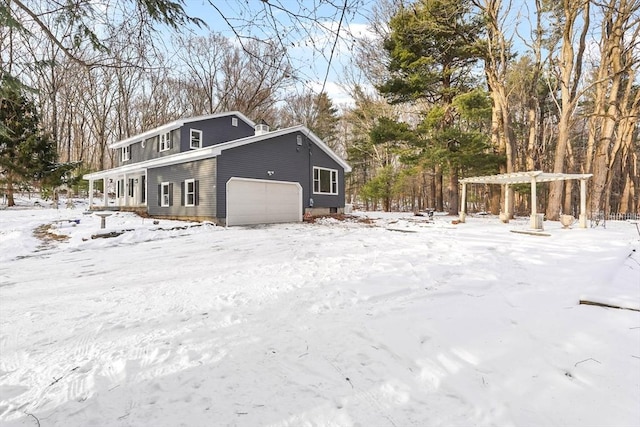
(431, 91)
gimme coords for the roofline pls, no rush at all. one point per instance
(175, 125)
(214, 151)
(299, 128)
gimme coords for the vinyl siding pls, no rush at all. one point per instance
(204, 171)
(215, 131)
(150, 149)
(286, 159)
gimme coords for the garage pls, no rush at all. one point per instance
(259, 201)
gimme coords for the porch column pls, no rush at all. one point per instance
(125, 188)
(463, 208)
(90, 193)
(105, 192)
(583, 204)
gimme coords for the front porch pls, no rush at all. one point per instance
(120, 191)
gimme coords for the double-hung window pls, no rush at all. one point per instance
(126, 153)
(165, 194)
(195, 138)
(190, 192)
(165, 141)
(325, 181)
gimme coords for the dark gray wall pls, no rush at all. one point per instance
(286, 159)
(203, 170)
(215, 131)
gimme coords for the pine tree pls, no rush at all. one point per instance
(26, 153)
(432, 45)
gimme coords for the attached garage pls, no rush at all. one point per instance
(259, 201)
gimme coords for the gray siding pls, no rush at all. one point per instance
(150, 149)
(215, 131)
(286, 159)
(204, 171)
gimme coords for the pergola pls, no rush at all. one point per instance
(532, 177)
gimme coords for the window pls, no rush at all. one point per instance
(325, 181)
(165, 196)
(126, 153)
(234, 121)
(164, 142)
(120, 188)
(130, 190)
(190, 192)
(195, 136)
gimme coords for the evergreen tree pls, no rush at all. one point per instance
(26, 153)
(325, 120)
(432, 45)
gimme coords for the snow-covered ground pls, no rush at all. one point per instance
(396, 322)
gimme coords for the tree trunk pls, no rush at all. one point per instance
(570, 68)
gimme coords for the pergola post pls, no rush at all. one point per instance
(534, 205)
(463, 208)
(504, 215)
(583, 204)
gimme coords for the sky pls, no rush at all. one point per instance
(309, 46)
(384, 319)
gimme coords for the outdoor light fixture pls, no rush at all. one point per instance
(270, 173)
(135, 180)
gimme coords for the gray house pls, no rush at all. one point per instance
(224, 168)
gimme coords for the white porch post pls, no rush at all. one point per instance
(583, 203)
(463, 208)
(90, 193)
(105, 192)
(125, 188)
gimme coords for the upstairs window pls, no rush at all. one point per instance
(126, 153)
(164, 143)
(325, 181)
(195, 138)
(234, 121)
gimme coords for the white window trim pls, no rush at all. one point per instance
(191, 133)
(165, 141)
(186, 192)
(163, 199)
(333, 173)
(125, 154)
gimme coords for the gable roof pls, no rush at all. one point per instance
(175, 125)
(216, 150)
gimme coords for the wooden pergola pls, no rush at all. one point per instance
(532, 178)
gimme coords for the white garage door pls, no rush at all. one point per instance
(259, 201)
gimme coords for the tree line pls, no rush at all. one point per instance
(442, 90)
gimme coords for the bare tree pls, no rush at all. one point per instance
(573, 17)
(616, 101)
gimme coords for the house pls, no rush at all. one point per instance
(224, 168)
